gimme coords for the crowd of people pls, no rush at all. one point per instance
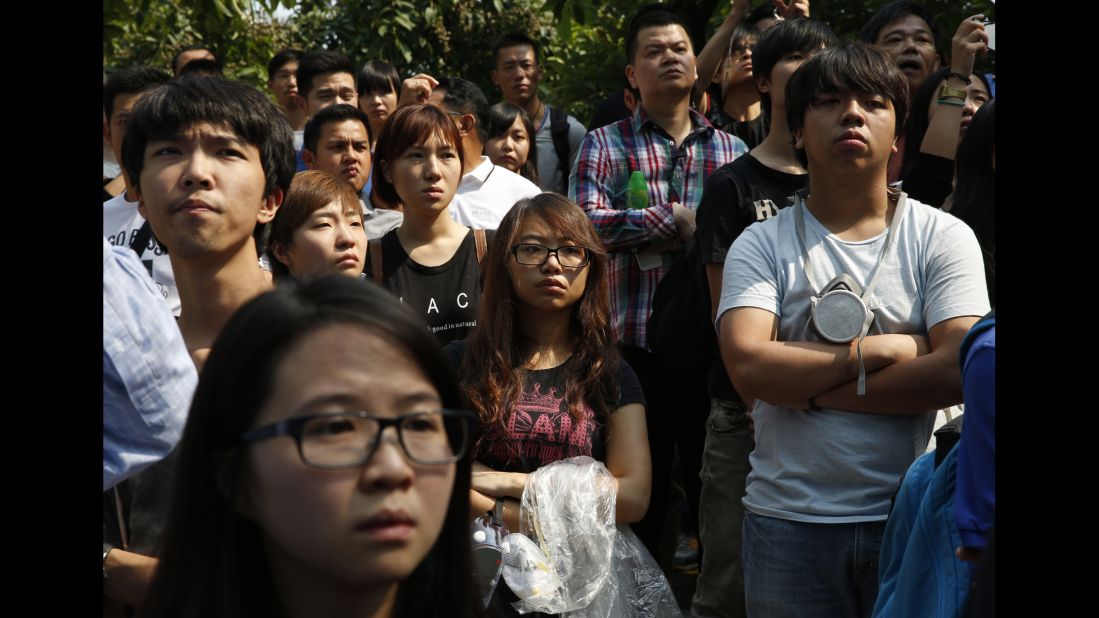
(743, 294)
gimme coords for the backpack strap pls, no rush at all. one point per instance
(141, 239)
(375, 245)
(481, 244)
(559, 130)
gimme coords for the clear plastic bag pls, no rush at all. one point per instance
(568, 509)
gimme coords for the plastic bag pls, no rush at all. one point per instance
(568, 508)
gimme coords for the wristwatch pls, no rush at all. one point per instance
(947, 92)
(106, 550)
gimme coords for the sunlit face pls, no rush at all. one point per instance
(330, 89)
(976, 95)
(202, 191)
(664, 62)
(378, 106)
(284, 85)
(909, 43)
(332, 240)
(365, 526)
(737, 68)
(120, 116)
(511, 148)
(343, 150)
(425, 176)
(850, 130)
(549, 287)
(517, 73)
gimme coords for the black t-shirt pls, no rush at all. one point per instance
(447, 295)
(540, 429)
(751, 131)
(737, 195)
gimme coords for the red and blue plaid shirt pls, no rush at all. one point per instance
(598, 181)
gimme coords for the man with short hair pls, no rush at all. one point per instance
(558, 135)
(838, 424)
(337, 141)
(751, 189)
(675, 149)
(906, 31)
(123, 225)
(211, 160)
(189, 53)
(326, 78)
(282, 81)
(487, 191)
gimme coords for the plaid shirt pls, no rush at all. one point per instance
(607, 157)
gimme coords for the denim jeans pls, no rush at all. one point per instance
(719, 592)
(800, 569)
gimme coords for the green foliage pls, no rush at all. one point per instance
(583, 39)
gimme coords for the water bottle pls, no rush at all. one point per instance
(637, 191)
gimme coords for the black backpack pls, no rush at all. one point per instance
(680, 332)
(559, 129)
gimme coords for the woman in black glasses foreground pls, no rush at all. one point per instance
(323, 471)
(542, 369)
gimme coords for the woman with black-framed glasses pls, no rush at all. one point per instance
(324, 470)
(542, 369)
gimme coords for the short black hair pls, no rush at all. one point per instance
(516, 39)
(316, 63)
(464, 97)
(281, 58)
(188, 48)
(191, 99)
(202, 66)
(651, 16)
(130, 80)
(760, 13)
(857, 67)
(792, 35)
(332, 113)
(891, 13)
(378, 76)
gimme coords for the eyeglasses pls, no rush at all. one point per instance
(531, 254)
(741, 48)
(349, 439)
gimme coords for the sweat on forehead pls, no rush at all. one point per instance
(169, 110)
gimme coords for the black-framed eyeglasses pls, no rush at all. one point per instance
(533, 254)
(741, 48)
(349, 439)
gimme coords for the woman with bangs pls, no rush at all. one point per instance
(324, 469)
(542, 368)
(379, 86)
(431, 262)
(318, 230)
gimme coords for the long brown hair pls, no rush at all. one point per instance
(492, 373)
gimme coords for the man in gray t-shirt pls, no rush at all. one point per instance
(518, 71)
(827, 459)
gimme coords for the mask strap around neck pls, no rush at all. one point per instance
(799, 221)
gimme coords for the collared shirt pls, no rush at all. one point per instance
(148, 376)
(487, 193)
(674, 175)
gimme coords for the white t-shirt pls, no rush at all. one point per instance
(121, 223)
(487, 193)
(833, 466)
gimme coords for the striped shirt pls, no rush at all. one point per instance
(598, 182)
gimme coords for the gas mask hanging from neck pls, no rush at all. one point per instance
(838, 312)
